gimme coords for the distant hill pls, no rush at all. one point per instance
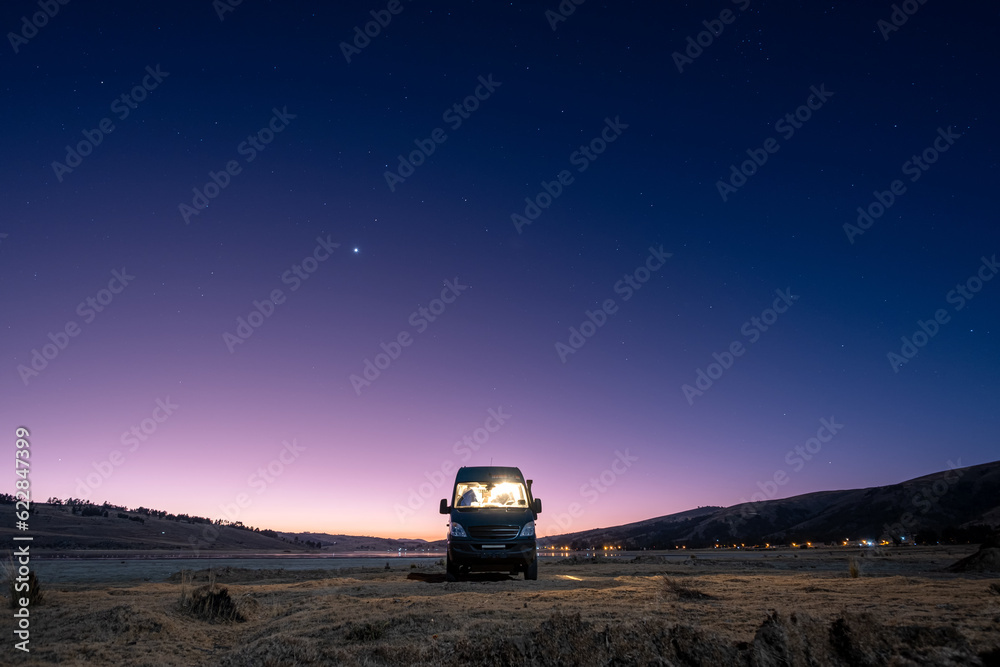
(961, 505)
(58, 527)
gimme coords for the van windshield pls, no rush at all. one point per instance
(490, 494)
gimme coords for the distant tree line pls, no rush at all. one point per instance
(315, 544)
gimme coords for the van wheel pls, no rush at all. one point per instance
(451, 570)
(531, 572)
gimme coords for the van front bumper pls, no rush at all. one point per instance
(479, 555)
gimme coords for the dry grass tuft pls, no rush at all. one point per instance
(34, 593)
(853, 567)
(214, 603)
(994, 589)
(674, 587)
(185, 577)
(366, 632)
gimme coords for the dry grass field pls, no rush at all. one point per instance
(774, 608)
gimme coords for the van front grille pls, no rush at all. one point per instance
(494, 532)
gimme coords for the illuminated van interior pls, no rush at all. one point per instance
(490, 494)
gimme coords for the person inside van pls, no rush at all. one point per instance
(468, 498)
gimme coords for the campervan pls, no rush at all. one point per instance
(492, 522)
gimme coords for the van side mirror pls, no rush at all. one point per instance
(536, 507)
(444, 507)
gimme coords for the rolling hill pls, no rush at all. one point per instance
(959, 505)
(57, 527)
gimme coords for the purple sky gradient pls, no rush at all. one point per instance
(363, 457)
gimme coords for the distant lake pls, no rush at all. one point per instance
(158, 569)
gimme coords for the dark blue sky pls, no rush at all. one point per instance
(326, 131)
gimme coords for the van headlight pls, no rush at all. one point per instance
(528, 530)
(457, 530)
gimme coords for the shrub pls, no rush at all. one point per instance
(213, 603)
